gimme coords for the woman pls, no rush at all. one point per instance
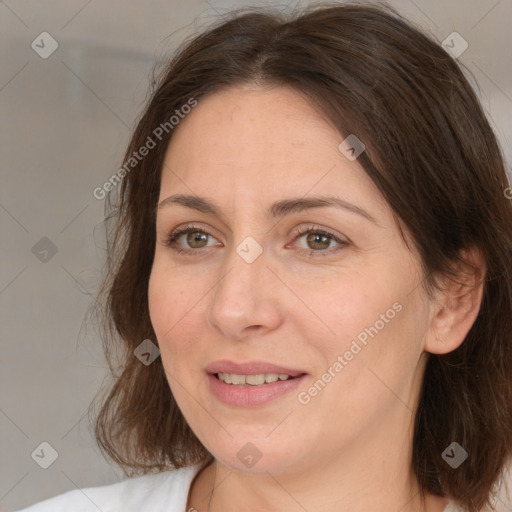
(309, 276)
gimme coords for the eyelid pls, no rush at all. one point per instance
(185, 228)
(342, 241)
(297, 232)
(315, 228)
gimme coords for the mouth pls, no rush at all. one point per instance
(251, 384)
(258, 379)
(250, 368)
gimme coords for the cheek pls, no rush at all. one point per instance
(166, 307)
(375, 318)
(170, 296)
(370, 361)
(175, 308)
(160, 302)
(352, 305)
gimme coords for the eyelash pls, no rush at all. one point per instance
(170, 241)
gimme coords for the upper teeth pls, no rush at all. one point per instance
(253, 380)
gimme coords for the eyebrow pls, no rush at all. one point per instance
(277, 209)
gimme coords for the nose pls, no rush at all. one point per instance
(246, 298)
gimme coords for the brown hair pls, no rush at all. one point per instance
(433, 155)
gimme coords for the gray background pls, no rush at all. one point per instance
(64, 124)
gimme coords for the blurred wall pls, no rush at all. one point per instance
(73, 77)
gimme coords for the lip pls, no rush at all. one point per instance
(247, 395)
(250, 368)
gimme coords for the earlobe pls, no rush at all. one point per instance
(457, 305)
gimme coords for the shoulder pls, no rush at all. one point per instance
(452, 507)
(166, 491)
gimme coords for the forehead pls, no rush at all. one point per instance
(259, 136)
(242, 122)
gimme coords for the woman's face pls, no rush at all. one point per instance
(271, 281)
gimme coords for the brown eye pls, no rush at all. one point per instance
(189, 240)
(318, 241)
(197, 239)
(315, 241)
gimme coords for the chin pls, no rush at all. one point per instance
(256, 452)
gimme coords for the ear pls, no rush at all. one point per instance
(457, 304)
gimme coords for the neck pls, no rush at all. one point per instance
(326, 492)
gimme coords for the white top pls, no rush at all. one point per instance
(161, 492)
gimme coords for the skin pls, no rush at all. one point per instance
(349, 448)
